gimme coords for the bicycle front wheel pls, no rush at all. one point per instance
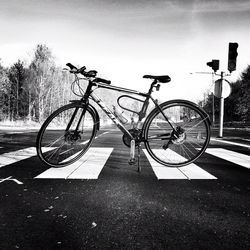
(66, 135)
(180, 139)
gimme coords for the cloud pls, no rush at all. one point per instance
(202, 6)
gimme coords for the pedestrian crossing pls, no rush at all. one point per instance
(15, 156)
(231, 156)
(90, 165)
(191, 171)
(18, 155)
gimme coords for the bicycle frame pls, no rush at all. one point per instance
(90, 94)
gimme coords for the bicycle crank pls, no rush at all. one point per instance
(136, 133)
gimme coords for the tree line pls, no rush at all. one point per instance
(32, 92)
(237, 105)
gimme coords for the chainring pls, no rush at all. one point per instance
(136, 133)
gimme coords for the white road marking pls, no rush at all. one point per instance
(11, 179)
(191, 171)
(104, 133)
(22, 154)
(230, 142)
(228, 155)
(85, 142)
(15, 132)
(15, 156)
(88, 166)
(19, 155)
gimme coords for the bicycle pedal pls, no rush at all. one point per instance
(132, 161)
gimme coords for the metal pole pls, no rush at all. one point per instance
(213, 111)
(221, 108)
(221, 116)
(213, 118)
(17, 97)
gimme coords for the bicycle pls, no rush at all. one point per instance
(175, 133)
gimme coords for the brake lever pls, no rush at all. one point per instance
(82, 69)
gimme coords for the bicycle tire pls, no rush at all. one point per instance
(68, 146)
(193, 124)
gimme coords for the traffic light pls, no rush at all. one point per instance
(232, 55)
(214, 64)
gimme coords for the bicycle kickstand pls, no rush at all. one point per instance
(138, 158)
(132, 160)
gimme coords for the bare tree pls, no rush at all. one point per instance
(42, 69)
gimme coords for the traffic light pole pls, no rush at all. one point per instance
(214, 64)
(213, 109)
(221, 108)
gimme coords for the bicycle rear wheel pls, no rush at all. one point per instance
(59, 143)
(179, 147)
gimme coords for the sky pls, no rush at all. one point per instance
(125, 39)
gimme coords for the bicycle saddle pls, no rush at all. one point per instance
(162, 79)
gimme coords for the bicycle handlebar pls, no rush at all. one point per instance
(101, 80)
(71, 66)
(88, 74)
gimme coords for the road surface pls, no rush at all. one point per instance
(101, 202)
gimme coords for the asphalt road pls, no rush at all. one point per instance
(118, 208)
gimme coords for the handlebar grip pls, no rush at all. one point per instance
(71, 66)
(97, 79)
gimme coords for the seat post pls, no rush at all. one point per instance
(142, 113)
(151, 87)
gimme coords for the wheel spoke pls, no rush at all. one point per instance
(53, 142)
(67, 146)
(196, 125)
(191, 135)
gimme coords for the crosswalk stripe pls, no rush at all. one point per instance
(191, 171)
(15, 156)
(88, 166)
(19, 155)
(91, 164)
(15, 132)
(228, 155)
(96, 161)
(230, 142)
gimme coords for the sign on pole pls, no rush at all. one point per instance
(222, 88)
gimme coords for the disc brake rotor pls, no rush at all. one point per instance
(72, 136)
